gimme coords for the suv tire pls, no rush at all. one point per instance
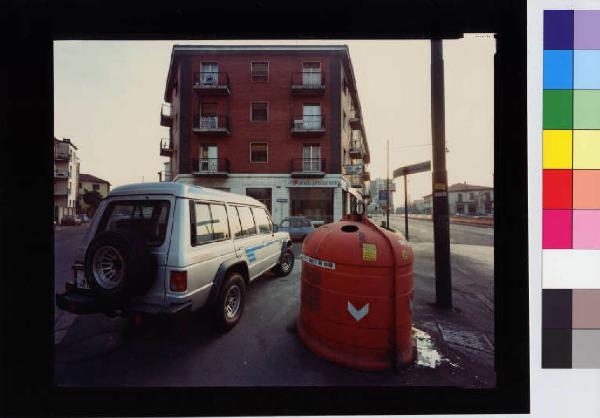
(285, 265)
(118, 266)
(230, 305)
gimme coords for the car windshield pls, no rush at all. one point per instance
(296, 223)
(147, 217)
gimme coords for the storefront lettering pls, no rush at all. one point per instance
(331, 183)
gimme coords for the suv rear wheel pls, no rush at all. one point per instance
(230, 305)
(286, 264)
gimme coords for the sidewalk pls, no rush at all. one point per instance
(64, 227)
(465, 220)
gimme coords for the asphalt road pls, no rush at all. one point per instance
(264, 350)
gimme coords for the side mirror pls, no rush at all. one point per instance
(275, 228)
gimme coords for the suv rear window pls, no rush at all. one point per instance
(147, 217)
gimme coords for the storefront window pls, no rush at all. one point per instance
(314, 203)
(261, 194)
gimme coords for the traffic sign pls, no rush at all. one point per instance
(412, 169)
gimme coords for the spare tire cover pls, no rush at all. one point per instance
(119, 266)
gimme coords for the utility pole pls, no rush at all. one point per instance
(387, 175)
(441, 227)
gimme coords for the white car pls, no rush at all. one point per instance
(168, 248)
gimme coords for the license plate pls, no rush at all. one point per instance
(82, 282)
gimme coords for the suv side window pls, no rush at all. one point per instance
(262, 221)
(220, 224)
(203, 221)
(234, 221)
(248, 225)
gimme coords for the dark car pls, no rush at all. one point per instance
(297, 226)
(70, 220)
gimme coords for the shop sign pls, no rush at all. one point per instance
(314, 183)
(353, 169)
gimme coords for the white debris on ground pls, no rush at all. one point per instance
(427, 355)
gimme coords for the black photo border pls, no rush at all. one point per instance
(26, 233)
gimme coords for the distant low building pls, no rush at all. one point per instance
(419, 205)
(466, 199)
(88, 183)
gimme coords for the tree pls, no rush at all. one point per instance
(92, 198)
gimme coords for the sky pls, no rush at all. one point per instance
(107, 98)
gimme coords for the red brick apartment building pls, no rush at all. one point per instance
(280, 123)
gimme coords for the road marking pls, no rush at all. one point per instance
(358, 314)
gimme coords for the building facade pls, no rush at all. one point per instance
(467, 199)
(379, 202)
(66, 178)
(279, 123)
(88, 183)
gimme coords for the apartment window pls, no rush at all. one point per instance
(96, 186)
(208, 158)
(259, 152)
(311, 158)
(209, 74)
(311, 116)
(259, 112)
(311, 73)
(471, 196)
(460, 197)
(260, 71)
(208, 115)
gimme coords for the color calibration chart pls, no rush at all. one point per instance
(571, 190)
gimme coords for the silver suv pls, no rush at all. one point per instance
(169, 248)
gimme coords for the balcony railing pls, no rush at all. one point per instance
(308, 83)
(308, 124)
(355, 123)
(356, 180)
(165, 147)
(61, 174)
(60, 156)
(211, 83)
(212, 125)
(61, 191)
(308, 167)
(166, 115)
(216, 167)
(356, 149)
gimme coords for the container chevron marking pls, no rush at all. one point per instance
(358, 314)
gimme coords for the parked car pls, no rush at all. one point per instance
(70, 220)
(297, 226)
(169, 248)
(84, 218)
